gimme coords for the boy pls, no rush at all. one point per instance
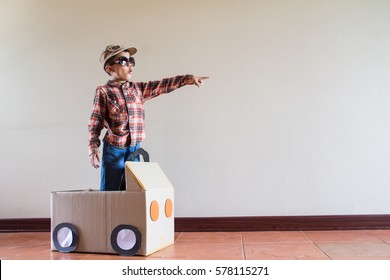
(118, 106)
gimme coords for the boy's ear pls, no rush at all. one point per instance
(108, 69)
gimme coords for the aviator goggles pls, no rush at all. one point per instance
(124, 61)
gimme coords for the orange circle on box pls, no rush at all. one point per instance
(154, 213)
(168, 208)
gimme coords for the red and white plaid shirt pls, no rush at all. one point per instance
(120, 108)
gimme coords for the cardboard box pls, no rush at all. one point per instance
(137, 221)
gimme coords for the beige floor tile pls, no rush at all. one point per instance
(205, 251)
(160, 254)
(38, 251)
(340, 235)
(211, 237)
(381, 234)
(356, 250)
(274, 236)
(283, 251)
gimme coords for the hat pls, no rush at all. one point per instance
(113, 50)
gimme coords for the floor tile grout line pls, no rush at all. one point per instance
(170, 247)
(180, 234)
(305, 235)
(315, 245)
(376, 236)
(243, 246)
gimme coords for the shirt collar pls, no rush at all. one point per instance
(118, 84)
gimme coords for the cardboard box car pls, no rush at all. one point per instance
(137, 221)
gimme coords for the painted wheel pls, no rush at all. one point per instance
(126, 240)
(66, 237)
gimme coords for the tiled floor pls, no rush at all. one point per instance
(274, 245)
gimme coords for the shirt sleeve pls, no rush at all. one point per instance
(96, 122)
(155, 88)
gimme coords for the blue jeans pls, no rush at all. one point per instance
(113, 166)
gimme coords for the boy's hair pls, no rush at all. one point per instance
(110, 61)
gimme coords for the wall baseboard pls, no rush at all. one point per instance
(266, 223)
(32, 224)
(280, 223)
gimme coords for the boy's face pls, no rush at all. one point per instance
(117, 71)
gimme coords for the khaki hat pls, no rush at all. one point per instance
(113, 50)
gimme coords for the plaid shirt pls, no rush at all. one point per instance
(120, 108)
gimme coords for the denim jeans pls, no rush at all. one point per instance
(113, 166)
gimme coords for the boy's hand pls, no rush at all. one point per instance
(95, 159)
(198, 81)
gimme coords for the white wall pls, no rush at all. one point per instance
(294, 120)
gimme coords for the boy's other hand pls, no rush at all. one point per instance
(95, 159)
(198, 81)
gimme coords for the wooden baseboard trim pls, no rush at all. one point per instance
(267, 223)
(32, 224)
(280, 223)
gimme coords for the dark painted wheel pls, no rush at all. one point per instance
(126, 240)
(66, 237)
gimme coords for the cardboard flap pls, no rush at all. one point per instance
(144, 176)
